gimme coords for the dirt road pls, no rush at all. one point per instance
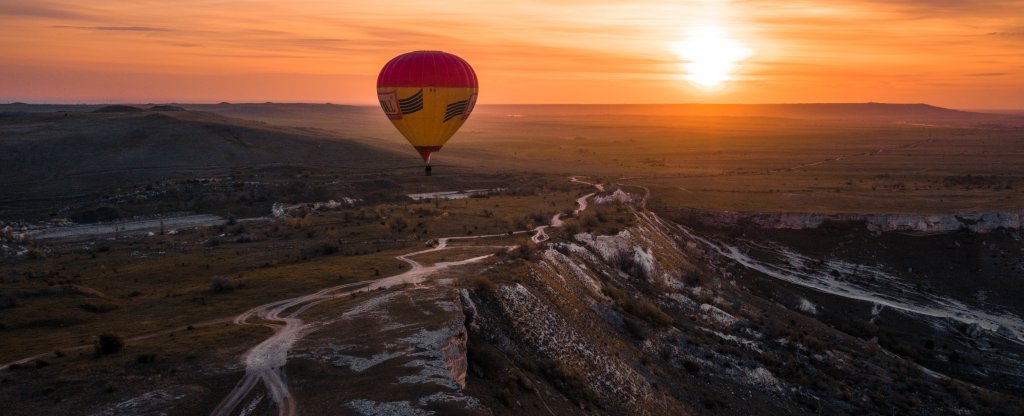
(265, 362)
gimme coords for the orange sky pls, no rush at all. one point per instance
(953, 53)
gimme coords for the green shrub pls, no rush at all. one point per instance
(98, 307)
(571, 227)
(109, 344)
(691, 367)
(221, 284)
(484, 284)
(613, 292)
(626, 261)
(8, 300)
(648, 311)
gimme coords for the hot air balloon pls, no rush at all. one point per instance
(427, 95)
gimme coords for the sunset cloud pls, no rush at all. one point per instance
(116, 28)
(527, 51)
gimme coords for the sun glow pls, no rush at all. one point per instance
(709, 55)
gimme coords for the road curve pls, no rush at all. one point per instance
(265, 362)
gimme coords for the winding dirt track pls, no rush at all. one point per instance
(265, 362)
(539, 236)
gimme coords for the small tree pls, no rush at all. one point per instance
(221, 284)
(8, 300)
(109, 344)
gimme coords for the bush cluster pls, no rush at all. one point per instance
(109, 344)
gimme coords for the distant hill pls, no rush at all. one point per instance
(315, 114)
(875, 112)
(117, 108)
(166, 108)
(354, 117)
(58, 154)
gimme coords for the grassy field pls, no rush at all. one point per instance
(65, 295)
(902, 163)
(170, 298)
(850, 159)
(68, 294)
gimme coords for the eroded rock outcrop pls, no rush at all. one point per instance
(981, 222)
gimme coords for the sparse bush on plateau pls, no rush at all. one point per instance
(221, 284)
(324, 249)
(570, 380)
(36, 253)
(527, 251)
(562, 248)
(109, 344)
(398, 224)
(571, 227)
(98, 307)
(638, 307)
(626, 261)
(8, 300)
(299, 222)
(613, 292)
(648, 311)
(484, 284)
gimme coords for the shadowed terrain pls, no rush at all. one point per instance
(241, 259)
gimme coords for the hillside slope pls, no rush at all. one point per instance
(68, 155)
(657, 318)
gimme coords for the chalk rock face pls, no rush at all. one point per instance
(453, 352)
(977, 221)
(617, 196)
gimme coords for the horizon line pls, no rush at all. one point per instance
(29, 102)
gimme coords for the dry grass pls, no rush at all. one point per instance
(463, 253)
(140, 286)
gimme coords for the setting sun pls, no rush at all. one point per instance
(709, 55)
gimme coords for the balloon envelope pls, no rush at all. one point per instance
(427, 95)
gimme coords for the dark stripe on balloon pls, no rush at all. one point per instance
(386, 105)
(412, 104)
(455, 109)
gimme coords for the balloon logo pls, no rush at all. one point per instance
(427, 95)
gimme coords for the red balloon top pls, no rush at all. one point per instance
(427, 69)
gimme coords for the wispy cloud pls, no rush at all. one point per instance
(939, 51)
(116, 28)
(41, 9)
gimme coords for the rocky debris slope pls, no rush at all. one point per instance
(655, 319)
(980, 222)
(391, 352)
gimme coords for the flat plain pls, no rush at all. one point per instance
(300, 198)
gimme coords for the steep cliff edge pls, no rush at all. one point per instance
(650, 317)
(981, 222)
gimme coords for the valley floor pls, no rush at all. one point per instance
(607, 308)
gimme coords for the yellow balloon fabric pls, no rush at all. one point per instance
(427, 116)
(427, 95)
